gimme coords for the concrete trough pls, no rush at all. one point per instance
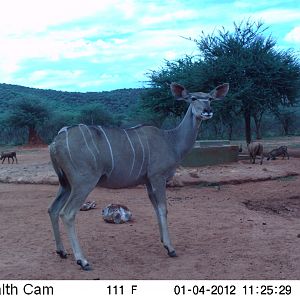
(211, 143)
(211, 154)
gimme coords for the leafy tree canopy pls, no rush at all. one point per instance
(29, 113)
(261, 77)
(95, 114)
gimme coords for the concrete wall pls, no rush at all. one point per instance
(211, 155)
(210, 143)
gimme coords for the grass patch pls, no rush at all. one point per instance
(208, 184)
(288, 178)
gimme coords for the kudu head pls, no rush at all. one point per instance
(199, 101)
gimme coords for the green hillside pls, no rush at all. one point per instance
(46, 111)
(116, 102)
(49, 110)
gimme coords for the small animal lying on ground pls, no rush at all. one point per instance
(8, 155)
(281, 151)
(116, 213)
(255, 149)
(88, 205)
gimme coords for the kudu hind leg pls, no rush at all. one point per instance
(60, 200)
(158, 187)
(68, 213)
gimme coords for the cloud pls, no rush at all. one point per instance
(102, 80)
(173, 16)
(51, 78)
(274, 16)
(102, 33)
(8, 67)
(293, 36)
(261, 4)
(41, 75)
(19, 17)
(93, 43)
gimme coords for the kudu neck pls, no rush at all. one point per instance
(183, 137)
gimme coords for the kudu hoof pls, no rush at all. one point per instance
(62, 254)
(86, 267)
(171, 253)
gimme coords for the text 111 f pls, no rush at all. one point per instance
(119, 289)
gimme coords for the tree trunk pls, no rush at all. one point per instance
(34, 138)
(230, 131)
(247, 117)
(257, 121)
(285, 126)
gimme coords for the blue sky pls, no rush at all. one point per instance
(96, 45)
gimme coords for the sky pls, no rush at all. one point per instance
(101, 45)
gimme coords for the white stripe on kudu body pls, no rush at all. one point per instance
(133, 151)
(110, 149)
(91, 135)
(65, 129)
(143, 154)
(145, 135)
(167, 148)
(87, 145)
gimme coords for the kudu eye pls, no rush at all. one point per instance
(193, 98)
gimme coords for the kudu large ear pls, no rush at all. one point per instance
(220, 91)
(178, 91)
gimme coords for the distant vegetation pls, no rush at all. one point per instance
(264, 84)
(25, 112)
(263, 99)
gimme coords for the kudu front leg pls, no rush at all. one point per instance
(157, 190)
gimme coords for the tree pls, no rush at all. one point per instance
(261, 77)
(95, 114)
(58, 120)
(286, 116)
(30, 113)
(157, 103)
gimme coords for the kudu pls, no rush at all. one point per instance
(85, 156)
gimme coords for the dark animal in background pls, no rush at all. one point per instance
(8, 155)
(281, 151)
(255, 149)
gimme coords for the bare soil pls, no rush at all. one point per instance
(235, 221)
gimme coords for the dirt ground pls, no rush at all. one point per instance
(235, 221)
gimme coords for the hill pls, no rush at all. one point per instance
(116, 101)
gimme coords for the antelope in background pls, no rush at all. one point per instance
(8, 155)
(281, 151)
(256, 149)
(85, 156)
